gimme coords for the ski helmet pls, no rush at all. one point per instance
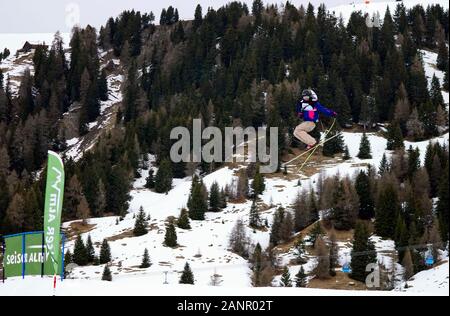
(307, 95)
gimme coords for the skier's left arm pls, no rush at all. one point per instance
(324, 110)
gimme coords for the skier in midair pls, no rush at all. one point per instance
(308, 108)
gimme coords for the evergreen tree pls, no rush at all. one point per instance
(384, 166)
(387, 209)
(150, 181)
(344, 206)
(363, 253)
(364, 148)
(413, 162)
(394, 137)
(103, 86)
(257, 268)
(183, 220)
(286, 278)
(428, 116)
(106, 276)
(197, 202)
(408, 264)
(140, 224)
(223, 199)
(301, 278)
(443, 207)
(255, 220)
(315, 233)
(366, 201)
(346, 155)
(163, 179)
(333, 146)
(146, 263)
(170, 240)
(187, 277)
(105, 252)
(334, 254)
(442, 59)
(90, 250)
(214, 198)
(275, 232)
(80, 255)
(198, 17)
(323, 260)
(68, 258)
(435, 92)
(258, 184)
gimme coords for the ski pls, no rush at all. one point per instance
(321, 143)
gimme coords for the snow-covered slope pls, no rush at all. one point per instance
(433, 281)
(372, 7)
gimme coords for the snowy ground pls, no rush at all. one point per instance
(379, 6)
(144, 286)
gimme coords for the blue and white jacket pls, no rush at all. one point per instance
(310, 111)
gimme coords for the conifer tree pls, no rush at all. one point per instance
(90, 250)
(408, 264)
(106, 276)
(333, 146)
(197, 202)
(163, 179)
(275, 232)
(68, 258)
(442, 59)
(187, 277)
(257, 267)
(384, 166)
(364, 148)
(387, 209)
(140, 224)
(105, 252)
(363, 252)
(346, 155)
(214, 198)
(443, 206)
(258, 184)
(183, 220)
(286, 278)
(394, 137)
(80, 255)
(170, 239)
(301, 278)
(364, 190)
(255, 220)
(323, 259)
(146, 263)
(315, 233)
(334, 254)
(150, 181)
(223, 199)
(103, 86)
(435, 92)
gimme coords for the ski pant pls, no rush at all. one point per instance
(302, 130)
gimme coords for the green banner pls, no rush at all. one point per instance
(53, 206)
(12, 261)
(24, 256)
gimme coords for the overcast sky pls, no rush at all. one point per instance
(42, 16)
